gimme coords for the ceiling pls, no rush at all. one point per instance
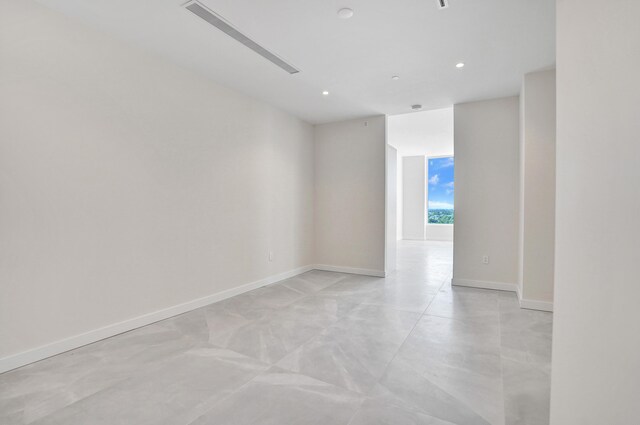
(354, 59)
(428, 133)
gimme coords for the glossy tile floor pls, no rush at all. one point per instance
(321, 348)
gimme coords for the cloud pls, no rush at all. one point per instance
(442, 163)
(446, 164)
(448, 185)
(437, 205)
(434, 180)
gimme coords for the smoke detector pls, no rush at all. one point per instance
(416, 107)
(345, 13)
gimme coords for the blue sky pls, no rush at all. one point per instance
(441, 183)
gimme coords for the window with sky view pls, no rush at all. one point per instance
(440, 191)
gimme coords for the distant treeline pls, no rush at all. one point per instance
(441, 216)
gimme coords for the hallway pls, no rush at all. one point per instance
(320, 348)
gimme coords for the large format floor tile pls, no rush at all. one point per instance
(526, 362)
(374, 412)
(354, 352)
(462, 358)
(527, 393)
(466, 304)
(319, 348)
(281, 397)
(401, 385)
(167, 392)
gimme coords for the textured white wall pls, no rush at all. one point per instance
(486, 196)
(350, 193)
(596, 334)
(128, 185)
(537, 185)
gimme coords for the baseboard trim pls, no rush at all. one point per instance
(351, 270)
(483, 284)
(30, 356)
(536, 305)
(504, 286)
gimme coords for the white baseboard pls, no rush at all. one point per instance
(483, 284)
(503, 286)
(30, 356)
(20, 359)
(536, 305)
(351, 270)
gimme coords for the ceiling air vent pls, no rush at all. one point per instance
(219, 22)
(443, 4)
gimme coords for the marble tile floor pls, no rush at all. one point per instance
(320, 348)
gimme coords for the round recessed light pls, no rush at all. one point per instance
(345, 13)
(325, 93)
(416, 107)
(460, 65)
(395, 78)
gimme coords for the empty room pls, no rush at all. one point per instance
(297, 212)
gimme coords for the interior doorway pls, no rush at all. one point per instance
(420, 179)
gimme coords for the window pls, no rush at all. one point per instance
(440, 191)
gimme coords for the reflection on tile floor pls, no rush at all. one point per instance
(319, 348)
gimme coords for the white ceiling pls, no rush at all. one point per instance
(428, 133)
(499, 40)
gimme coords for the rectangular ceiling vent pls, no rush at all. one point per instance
(443, 4)
(219, 22)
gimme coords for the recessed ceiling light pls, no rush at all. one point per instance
(325, 93)
(345, 13)
(460, 65)
(416, 107)
(395, 78)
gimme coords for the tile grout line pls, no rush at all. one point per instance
(366, 396)
(409, 333)
(214, 404)
(268, 364)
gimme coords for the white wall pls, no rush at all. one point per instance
(129, 185)
(414, 209)
(596, 334)
(439, 232)
(350, 194)
(486, 195)
(537, 187)
(391, 215)
(427, 133)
